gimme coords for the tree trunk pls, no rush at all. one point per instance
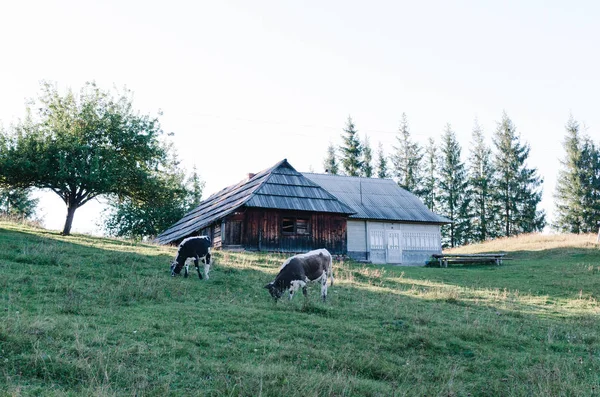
(69, 221)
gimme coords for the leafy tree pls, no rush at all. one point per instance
(430, 175)
(453, 194)
(480, 180)
(330, 164)
(382, 165)
(82, 146)
(367, 162)
(517, 188)
(569, 192)
(167, 198)
(407, 159)
(351, 150)
(17, 202)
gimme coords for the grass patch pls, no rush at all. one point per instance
(95, 316)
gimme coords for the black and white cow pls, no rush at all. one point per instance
(192, 247)
(298, 270)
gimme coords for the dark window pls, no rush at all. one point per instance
(298, 226)
(288, 226)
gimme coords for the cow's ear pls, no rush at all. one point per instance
(268, 285)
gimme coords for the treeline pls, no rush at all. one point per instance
(494, 193)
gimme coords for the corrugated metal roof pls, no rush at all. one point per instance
(278, 187)
(377, 199)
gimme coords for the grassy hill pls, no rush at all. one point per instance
(96, 316)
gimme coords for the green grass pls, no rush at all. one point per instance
(92, 316)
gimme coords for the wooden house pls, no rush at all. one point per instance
(278, 209)
(388, 224)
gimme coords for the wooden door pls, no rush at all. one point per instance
(234, 233)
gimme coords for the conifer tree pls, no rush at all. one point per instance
(407, 159)
(590, 177)
(480, 181)
(330, 164)
(453, 194)
(430, 178)
(382, 163)
(367, 160)
(517, 189)
(569, 189)
(351, 150)
(195, 193)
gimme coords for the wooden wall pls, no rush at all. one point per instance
(261, 230)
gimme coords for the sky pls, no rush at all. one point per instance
(243, 85)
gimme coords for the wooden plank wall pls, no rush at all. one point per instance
(261, 230)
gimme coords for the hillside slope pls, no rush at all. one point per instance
(532, 243)
(96, 316)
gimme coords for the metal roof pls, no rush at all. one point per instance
(377, 199)
(278, 187)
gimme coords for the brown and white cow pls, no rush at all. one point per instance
(300, 269)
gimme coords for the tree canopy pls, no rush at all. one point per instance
(168, 198)
(81, 146)
(17, 202)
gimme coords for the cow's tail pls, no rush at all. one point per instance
(331, 269)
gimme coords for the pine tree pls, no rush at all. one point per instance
(453, 196)
(516, 187)
(407, 159)
(330, 164)
(351, 150)
(382, 163)
(367, 161)
(590, 177)
(430, 178)
(569, 188)
(195, 193)
(480, 181)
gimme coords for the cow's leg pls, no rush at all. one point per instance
(305, 288)
(197, 264)
(206, 261)
(324, 286)
(295, 286)
(186, 269)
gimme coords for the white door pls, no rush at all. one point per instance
(394, 251)
(377, 250)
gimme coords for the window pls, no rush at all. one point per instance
(290, 226)
(301, 226)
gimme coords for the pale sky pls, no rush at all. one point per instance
(244, 84)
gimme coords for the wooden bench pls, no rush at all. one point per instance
(444, 259)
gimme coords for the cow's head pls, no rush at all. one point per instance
(274, 290)
(175, 268)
